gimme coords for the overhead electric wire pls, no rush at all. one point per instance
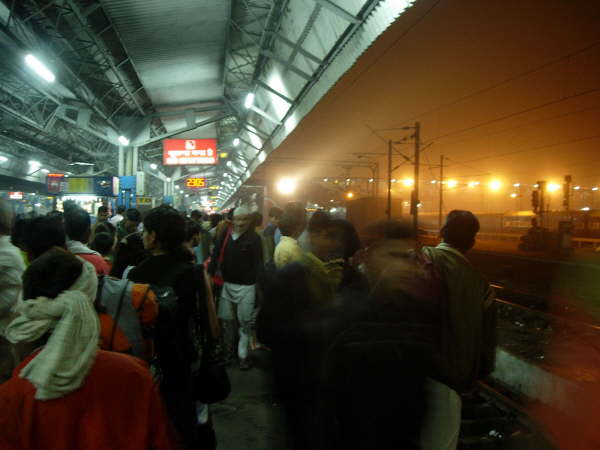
(500, 83)
(517, 113)
(392, 45)
(536, 148)
(516, 127)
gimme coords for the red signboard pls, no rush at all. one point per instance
(54, 182)
(15, 195)
(189, 152)
(195, 182)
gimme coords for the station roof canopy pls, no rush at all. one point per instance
(237, 70)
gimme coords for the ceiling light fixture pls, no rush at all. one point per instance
(40, 68)
(249, 100)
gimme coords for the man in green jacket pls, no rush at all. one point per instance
(468, 335)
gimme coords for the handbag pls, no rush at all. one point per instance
(210, 379)
(218, 276)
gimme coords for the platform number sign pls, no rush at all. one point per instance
(190, 152)
(195, 182)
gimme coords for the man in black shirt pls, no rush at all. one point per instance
(238, 256)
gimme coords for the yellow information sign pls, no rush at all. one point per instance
(144, 200)
(79, 185)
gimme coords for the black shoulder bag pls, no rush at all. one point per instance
(210, 379)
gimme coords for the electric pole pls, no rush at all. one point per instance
(389, 189)
(441, 186)
(415, 197)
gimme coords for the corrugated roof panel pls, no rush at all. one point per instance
(384, 14)
(351, 6)
(176, 46)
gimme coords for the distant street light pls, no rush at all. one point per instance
(287, 186)
(553, 187)
(495, 185)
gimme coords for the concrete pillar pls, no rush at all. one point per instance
(127, 166)
(121, 169)
(134, 161)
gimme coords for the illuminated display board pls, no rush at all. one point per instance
(58, 183)
(79, 185)
(195, 182)
(189, 152)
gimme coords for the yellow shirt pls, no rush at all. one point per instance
(287, 251)
(324, 278)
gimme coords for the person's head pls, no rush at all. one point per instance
(50, 274)
(41, 234)
(107, 227)
(275, 214)
(192, 233)
(323, 240)
(242, 219)
(19, 232)
(102, 215)
(347, 237)
(57, 215)
(6, 217)
(121, 210)
(257, 219)
(69, 204)
(230, 215)
(132, 220)
(460, 229)
(215, 219)
(164, 230)
(77, 224)
(103, 243)
(388, 263)
(196, 215)
(293, 220)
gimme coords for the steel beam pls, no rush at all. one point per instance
(286, 64)
(337, 10)
(183, 130)
(274, 91)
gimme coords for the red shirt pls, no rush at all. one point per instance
(102, 266)
(118, 407)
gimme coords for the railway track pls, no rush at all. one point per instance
(491, 419)
(534, 306)
(494, 417)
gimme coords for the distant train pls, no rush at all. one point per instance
(585, 223)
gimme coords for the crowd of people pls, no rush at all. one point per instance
(105, 329)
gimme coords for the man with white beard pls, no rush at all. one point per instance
(238, 257)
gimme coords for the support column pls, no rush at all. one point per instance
(121, 166)
(134, 161)
(127, 156)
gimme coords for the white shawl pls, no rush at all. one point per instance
(66, 359)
